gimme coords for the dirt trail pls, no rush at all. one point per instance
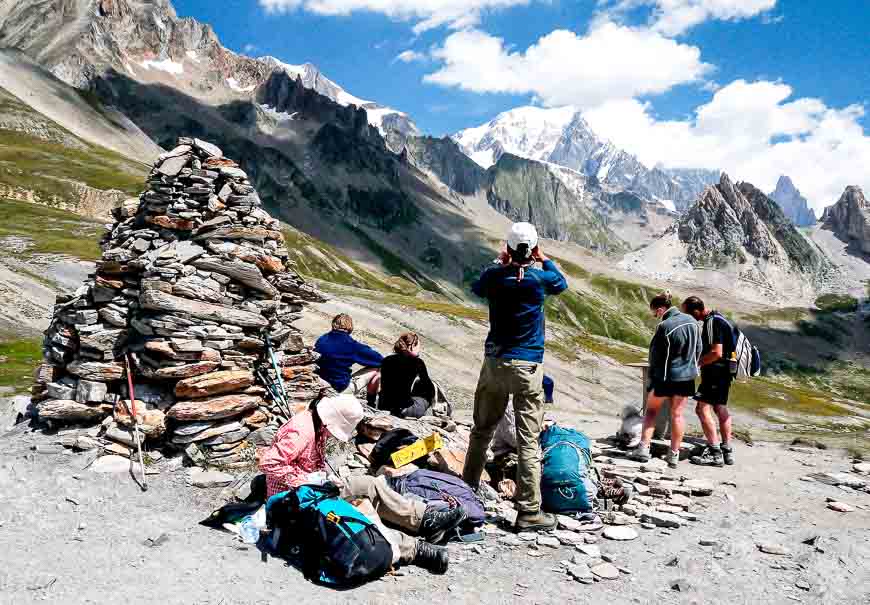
(72, 536)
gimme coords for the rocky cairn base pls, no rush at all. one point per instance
(193, 276)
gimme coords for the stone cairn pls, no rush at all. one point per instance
(193, 276)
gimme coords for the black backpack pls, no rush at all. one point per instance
(339, 546)
(389, 443)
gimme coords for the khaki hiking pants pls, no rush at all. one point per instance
(499, 379)
(390, 506)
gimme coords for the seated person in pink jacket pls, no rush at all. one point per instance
(299, 449)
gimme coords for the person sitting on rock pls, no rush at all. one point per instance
(339, 352)
(673, 367)
(406, 389)
(299, 449)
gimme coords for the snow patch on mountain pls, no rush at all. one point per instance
(311, 76)
(167, 65)
(234, 84)
(191, 54)
(529, 132)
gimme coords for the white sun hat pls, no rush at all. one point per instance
(340, 415)
(522, 233)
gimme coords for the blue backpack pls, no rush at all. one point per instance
(339, 546)
(567, 482)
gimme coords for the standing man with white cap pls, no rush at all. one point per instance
(513, 365)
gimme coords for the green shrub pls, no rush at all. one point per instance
(831, 303)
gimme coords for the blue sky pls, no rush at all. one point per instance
(644, 70)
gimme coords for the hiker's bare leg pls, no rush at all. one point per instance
(653, 404)
(390, 505)
(490, 402)
(724, 422)
(374, 384)
(528, 393)
(678, 423)
(708, 422)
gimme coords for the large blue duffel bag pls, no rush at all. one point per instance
(568, 480)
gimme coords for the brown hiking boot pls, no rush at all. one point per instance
(537, 521)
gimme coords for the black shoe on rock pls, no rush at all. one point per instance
(711, 456)
(439, 521)
(728, 455)
(432, 558)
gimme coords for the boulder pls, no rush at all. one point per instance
(90, 391)
(94, 370)
(214, 408)
(154, 299)
(65, 409)
(214, 383)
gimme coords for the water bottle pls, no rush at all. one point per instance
(249, 531)
(733, 364)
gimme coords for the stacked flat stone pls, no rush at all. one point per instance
(193, 275)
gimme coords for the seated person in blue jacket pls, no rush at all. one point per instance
(338, 354)
(406, 389)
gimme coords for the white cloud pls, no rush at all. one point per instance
(673, 17)
(428, 14)
(562, 68)
(249, 48)
(410, 56)
(755, 132)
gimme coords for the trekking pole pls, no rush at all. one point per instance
(132, 411)
(280, 402)
(275, 367)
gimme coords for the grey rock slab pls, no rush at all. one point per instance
(549, 541)
(214, 431)
(90, 391)
(209, 149)
(661, 519)
(510, 541)
(841, 507)
(57, 390)
(230, 437)
(699, 487)
(580, 572)
(567, 537)
(773, 549)
(171, 166)
(527, 536)
(110, 464)
(206, 479)
(862, 467)
(620, 533)
(590, 550)
(569, 523)
(708, 542)
(190, 428)
(605, 571)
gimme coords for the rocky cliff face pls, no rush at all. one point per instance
(849, 219)
(738, 224)
(443, 158)
(793, 204)
(525, 190)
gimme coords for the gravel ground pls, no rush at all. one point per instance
(74, 536)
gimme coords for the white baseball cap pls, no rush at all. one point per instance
(340, 415)
(522, 233)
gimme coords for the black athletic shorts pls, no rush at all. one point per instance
(674, 388)
(715, 386)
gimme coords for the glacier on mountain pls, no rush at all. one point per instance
(562, 136)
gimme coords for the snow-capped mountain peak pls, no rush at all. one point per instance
(563, 137)
(529, 132)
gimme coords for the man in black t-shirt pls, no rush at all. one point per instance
(717, 336)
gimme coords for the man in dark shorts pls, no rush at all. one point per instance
(717, 337)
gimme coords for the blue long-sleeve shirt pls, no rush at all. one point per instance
(338, 353)
(516, 309)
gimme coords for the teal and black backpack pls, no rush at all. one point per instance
(568, 482)
(339, 546)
